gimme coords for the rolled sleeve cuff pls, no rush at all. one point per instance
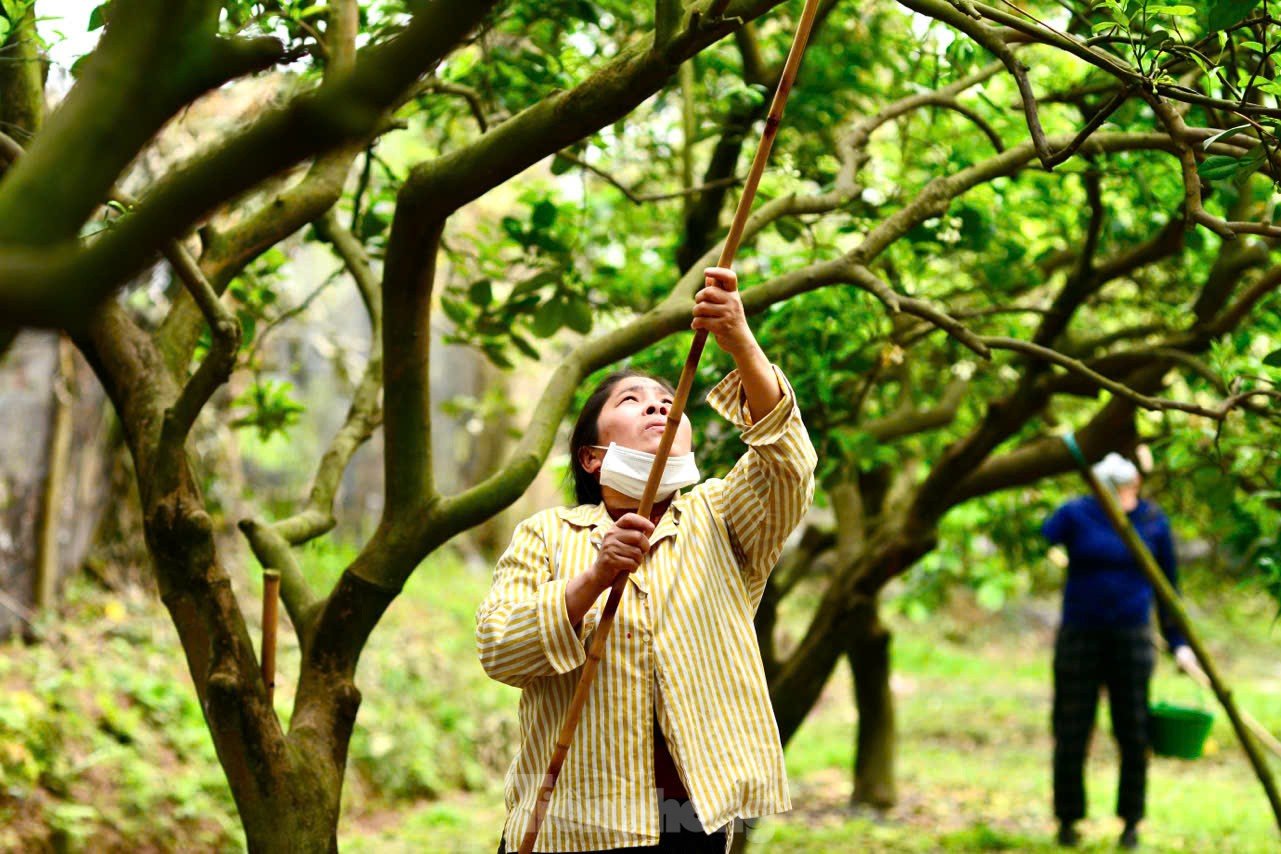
(729, 401)
(560, 642)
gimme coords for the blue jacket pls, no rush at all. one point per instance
(1105, 587)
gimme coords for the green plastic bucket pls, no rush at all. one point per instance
(1178, 730)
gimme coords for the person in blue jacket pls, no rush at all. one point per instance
(1104, 640)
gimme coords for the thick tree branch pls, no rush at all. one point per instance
(227, 252)
(154, 57)
(56, 287)
(216, 368)
(911, 421)
(1232, 316)
(1143, 401)
(557, 122)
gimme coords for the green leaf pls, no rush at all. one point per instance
(561, 164)
(1273, 359)
(548, 318)
(481, 293)
(1225, 13)
(787, 229)
(524, 346)
(515, 229)
(578, 316)
(534, 283)
(544, 214)
(1218, 166)
(1224, 135)
(455, 310)
(98, 17)
(372, 224)
(461, 62)
(496, 355)
(548, 243)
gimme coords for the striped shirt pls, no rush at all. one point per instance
(682, 648)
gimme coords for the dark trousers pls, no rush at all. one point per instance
(688, 838)
(1085, 660)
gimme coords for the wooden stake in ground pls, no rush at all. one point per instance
(1169, 599)
(270, 619)
(669, 431)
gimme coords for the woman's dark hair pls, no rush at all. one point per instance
(586, 431)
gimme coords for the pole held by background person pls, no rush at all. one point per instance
(1169, 599)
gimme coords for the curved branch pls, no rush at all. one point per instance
(1119, 389)
(342, 111)
(1105, 61)
(225, 332)
(153, 59)
(638, 198)
(910, 421)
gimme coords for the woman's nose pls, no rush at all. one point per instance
(660, 408)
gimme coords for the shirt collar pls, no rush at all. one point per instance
(596, 517)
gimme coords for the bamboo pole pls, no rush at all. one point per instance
(572, 714)
(1169, 599)
(270, 619)
(1197, 675)
(1267, 739)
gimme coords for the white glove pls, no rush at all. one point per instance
(1185, 658)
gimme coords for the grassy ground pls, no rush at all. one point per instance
(974, 695)
(102, 746)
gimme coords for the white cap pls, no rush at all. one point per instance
(1115, 470)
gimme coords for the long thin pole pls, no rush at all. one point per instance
(735, 235)
(1267, 739)
(270, 619)
(1168, 598)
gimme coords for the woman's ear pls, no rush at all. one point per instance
(588, 459)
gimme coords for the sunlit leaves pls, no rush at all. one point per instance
(269, 407)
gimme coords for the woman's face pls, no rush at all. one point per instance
(634, 415)
(1128, 494)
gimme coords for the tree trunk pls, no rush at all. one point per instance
(868, 650)
(302, 817)
(797, 684)
(48, 553)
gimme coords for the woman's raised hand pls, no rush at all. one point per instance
(622, 549)
(718, 308)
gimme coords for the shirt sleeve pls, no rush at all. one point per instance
(522, 626)
(770, 488)
(1056, 528)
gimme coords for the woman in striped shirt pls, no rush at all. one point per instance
(677, 737)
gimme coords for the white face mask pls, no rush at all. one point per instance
(628, 471)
